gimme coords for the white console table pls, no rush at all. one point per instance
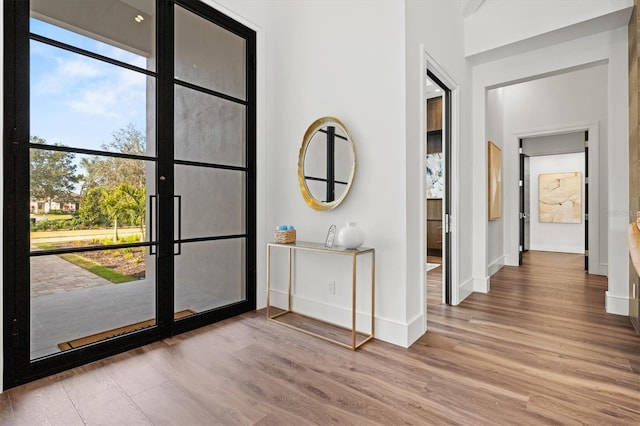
(319, 247)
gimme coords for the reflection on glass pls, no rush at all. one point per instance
(209, 129)
(86, 201)
(207, 55)
(210, 274)
(114, 29)
(82, 102)
(80, 298)
(213, 201)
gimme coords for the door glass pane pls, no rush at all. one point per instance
(213, 201)
(81, 102)
(207, 55)
(209, 129)
(121, 30)
(81, 298)
(86, 201)
(210, 274)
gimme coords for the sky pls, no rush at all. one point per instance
(78, 101)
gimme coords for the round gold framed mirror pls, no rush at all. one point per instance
(326, 164)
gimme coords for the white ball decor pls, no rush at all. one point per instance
(350, 236)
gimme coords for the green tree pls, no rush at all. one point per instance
(124, 204)
(115, 206)
(114, 188)
(134, 202)
(110, 172)
(92, 211)
(52, 174)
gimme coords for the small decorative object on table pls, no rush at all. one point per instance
(350, 236)
(284, 234)
(328, 243)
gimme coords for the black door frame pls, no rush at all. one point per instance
(18, 368)
(522, 213)
(586, 201)
(446, 222)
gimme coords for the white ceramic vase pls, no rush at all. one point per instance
(350, 236)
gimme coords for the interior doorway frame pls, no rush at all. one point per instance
(428, 64)
(592, 196)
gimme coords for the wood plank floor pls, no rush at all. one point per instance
(539, 349)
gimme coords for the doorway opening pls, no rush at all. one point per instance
(554, 194)
(438, 191)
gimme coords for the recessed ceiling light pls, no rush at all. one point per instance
(139, 18)
(438, 90)
(429, 83)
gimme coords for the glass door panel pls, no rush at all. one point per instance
(210, 275)
(209, 129)
(114, 28)
(81, 102)
(82, 298)
(90, 266)
(91, 169)
(210, 164)
(209, 56)
(213, 201)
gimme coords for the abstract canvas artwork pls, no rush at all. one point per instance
(495, 182)
(435, 175)
(560, 197)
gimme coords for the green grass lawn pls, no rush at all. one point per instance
(91, 266)
(97, 269)
(53, 216)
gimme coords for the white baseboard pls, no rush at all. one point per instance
(466, 289)
(496, 265)
(604, 269)
(558, 249)
(415, 329)
(616, 304)
(481, 285)
(388, 330)
(511, 260)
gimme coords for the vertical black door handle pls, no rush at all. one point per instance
(152, 199)
(179, 198)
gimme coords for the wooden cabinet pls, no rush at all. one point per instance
(434, 114)
(434, 226)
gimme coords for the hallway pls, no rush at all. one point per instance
(538, 349)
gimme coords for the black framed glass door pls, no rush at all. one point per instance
(129, 169)
(213, 167)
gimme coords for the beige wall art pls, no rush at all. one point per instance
(560, 197)
(495, 182)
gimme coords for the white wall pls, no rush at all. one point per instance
(503, 23)
(564, 143)
(437, 29)
(606, 47)
(355, 72)
(495, 228)
(556, 237)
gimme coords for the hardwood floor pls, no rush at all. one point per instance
(539, 349)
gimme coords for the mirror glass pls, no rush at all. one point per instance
(326, 164)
